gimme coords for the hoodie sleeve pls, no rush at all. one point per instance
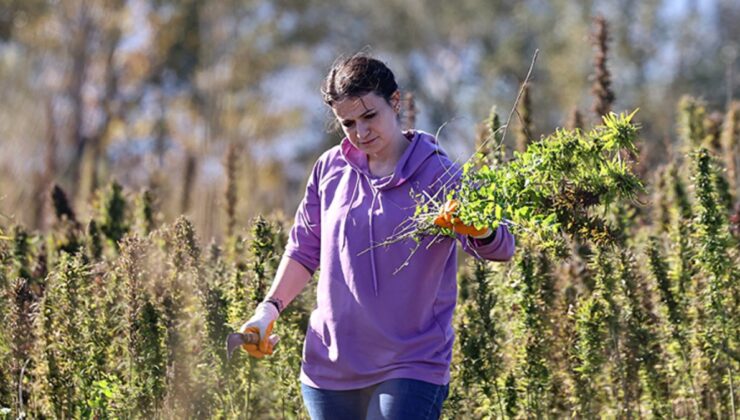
(304, 241)
(501, 248)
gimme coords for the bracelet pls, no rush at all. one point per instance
(487, 239)
(277, 303)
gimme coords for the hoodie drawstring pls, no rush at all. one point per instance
(343, 227)
(372, 243)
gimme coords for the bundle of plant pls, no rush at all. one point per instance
(560, 187)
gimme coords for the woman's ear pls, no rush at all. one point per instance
(396, 101)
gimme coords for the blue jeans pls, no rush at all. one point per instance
(392, 399)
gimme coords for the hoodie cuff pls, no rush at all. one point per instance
(485, 240)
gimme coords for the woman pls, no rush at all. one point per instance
(379, 342)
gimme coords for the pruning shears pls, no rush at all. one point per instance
(236, 340)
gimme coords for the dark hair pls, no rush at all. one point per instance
(357, 76)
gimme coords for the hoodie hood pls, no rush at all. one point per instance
(421, 146)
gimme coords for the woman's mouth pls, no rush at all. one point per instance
(365, 143)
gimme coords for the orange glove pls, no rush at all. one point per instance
(261, 323)
(266, 344)
(447, 219)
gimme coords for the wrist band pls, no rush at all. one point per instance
(487, 239)
(277, 303)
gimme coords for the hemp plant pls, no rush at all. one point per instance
(230, 194)
(691, 114)
(480, 344)
(145, 210)
(589, 350)
(601, 89)
(263, 254)
(65, 342)
(675, 312)
(621, 370)
(6, 387)
(285, 362)
(67, 230)
(721, 332)
(535, 302)
(550, 191)
(188, 389)
(22, 339)
(112, 214)
(642, 340)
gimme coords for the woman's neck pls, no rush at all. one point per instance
(384, 164)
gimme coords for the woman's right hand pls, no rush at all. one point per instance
(261, 323)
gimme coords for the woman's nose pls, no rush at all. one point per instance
(363, 129)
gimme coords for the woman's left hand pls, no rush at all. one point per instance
(447, 219)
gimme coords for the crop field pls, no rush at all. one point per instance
(624, 308)
(622, 300)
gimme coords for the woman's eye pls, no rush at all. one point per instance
(369, 116)
(348, 123)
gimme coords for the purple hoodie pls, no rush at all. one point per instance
(371, 325)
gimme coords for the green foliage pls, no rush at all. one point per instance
(21, 338)
(94, 242)
(721, 331)
(511, 396)
(185, 248)
(659, 269)
(62, 209)
(215, 304)
(21, 253)
(691, 114)
(145, 210)
(479, 339)
(551, 189)
(589, 350)
(642, 340)
(264, 257)
(113, 214)
(64, 342)
(534, 351)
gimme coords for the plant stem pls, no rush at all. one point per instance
(249, 388)
(732, 390)
(519, 95)
(20, 389)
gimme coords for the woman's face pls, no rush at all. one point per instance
(369, 122)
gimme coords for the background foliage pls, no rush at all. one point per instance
(152, 93)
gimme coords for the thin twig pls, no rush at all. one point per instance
(732, 392)
(521, 91)
(20, 389)
(504, 127)
(249, 388)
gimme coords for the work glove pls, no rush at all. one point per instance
(448, 219)
(261, 323)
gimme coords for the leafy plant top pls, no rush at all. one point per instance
(553, 189)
